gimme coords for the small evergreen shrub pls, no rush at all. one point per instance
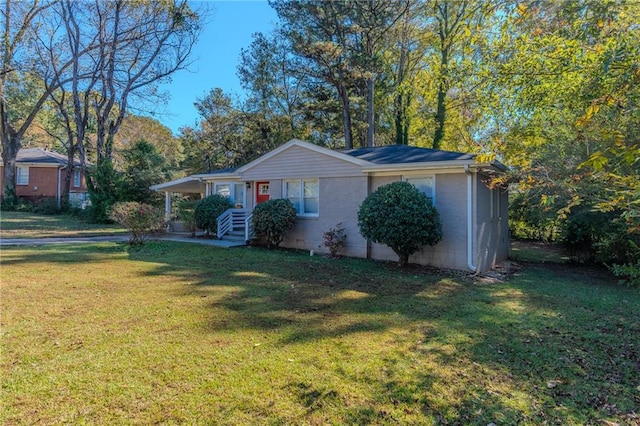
(272, 219)
(401, 217)
(139, 218)
(334, 240)
(207, 211)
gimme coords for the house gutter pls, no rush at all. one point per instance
(470, 236)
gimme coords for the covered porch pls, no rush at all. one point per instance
(233, 225)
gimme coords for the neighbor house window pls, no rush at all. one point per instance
(425, 184)
(76, 178)
(304, 194)
(22, 175)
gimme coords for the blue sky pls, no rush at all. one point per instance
(216, 55)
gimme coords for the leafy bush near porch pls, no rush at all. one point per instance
(401, 217)
(140, 219)
(187, 214)
(207, 211)
(272, 219)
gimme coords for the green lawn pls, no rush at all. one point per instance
(31, 225)
(181, 333)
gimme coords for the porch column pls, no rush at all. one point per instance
(167, 207)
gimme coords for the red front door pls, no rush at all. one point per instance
(262, 192)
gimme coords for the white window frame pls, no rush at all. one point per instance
(432, 197)
(232, 192)
(77, 179)
(301, 182)
(21, 172)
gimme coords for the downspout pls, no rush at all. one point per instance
(470, 235)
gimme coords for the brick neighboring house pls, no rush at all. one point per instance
(40, 174)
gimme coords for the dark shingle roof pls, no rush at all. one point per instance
(221, 171)
(41, 156)
(400, 154)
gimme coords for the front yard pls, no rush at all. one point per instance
(32, 225)
(181, 333)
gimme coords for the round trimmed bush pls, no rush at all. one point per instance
(400, 216)
(272, 219)
(207, 211)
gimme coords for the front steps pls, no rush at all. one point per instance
(235, 236)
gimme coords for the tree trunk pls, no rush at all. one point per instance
(402, 119)
(441, 116)
(403, 260)
(370, 112)
(346, 115)
(10, 147)
(68, 175)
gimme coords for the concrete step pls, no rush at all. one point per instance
(232, 237)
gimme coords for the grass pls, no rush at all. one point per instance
(31, 225)
(538, 252)
(180, 333)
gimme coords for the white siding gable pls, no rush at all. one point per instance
(299, 162)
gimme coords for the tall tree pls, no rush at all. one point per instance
(275, 83)
(135, 127)
(118, 52)
(320, 33)
(21, 93)
(453, 24)
(342, 44)
(372, 20)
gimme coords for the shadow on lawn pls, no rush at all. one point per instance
(549, 346)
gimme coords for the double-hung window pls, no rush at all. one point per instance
(425, 184)
(76, 179)
(22, 175)
(233, 191)
(304, 194)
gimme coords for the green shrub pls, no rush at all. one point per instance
(629, 273)
(272, 219)
(105, 189)
(401, 217)
(187, 214)
(10, 199)
(207, 211)
(47, 206)
(334, 240)
(24, 206)
(139, 218)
